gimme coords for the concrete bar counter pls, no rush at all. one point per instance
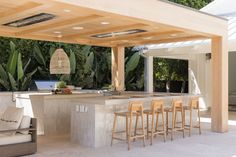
(87, 117)
(92, 118)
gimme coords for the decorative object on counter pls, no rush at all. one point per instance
(59, 63)
(61, 88)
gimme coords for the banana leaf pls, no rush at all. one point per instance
(12, 47)
(5, 84)
(20, 72)
(12, 61)
(26, 65)
(12, 82)
(51, 51)
(132, 63)
(3, 74)
(43, 73)
(26, 81)
(86, 50)
(89, 63)
(72, 62)
(38, 55)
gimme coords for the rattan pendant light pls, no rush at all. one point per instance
(59, 63)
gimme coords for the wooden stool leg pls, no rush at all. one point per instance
(157, 119)
(127, 127)
(113, 129)
(176, 112)
(182, 121)
(199, 122)
(147, 126)
(163, 126)
(167, 125)
(143, 130)
(136, 125)
(173, 124)
(190, 122)
(152, 129)
(130, 130)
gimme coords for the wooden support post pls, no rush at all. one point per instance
(118, 61)
(148, 74)
(219, 109)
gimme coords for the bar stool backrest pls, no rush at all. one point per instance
(157, 105)
(194, 103)
(176, 104)
(136, 106)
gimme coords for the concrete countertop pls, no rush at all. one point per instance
(100, 99)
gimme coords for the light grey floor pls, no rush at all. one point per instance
(208, 144)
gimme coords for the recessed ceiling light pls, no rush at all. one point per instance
(105, 23)
(57, 32)
(78, 28)
(147, 38)
(173, 35)
(67, 10)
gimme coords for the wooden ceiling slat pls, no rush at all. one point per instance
(19, 9)
(139, 35)
(107, 30)
(64, 23)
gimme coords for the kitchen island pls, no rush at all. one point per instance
(88, 117)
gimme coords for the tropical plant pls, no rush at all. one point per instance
(166, 70)
(134, 70)
(197, 4)
(13, 76)
(85, 71)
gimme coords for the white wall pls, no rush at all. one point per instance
(200, 79)
(232, 72)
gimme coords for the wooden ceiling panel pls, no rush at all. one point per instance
(89, 20)
(59, 24)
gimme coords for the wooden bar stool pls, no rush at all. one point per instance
(135, 109)
(193, 105)
(157, 108)
(177, 107)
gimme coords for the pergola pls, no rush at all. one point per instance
(120, 24)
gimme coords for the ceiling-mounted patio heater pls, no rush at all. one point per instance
(35, 19)
(59, 63)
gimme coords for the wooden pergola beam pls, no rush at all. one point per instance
(162, 41)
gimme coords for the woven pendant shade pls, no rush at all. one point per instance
(59, 63)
